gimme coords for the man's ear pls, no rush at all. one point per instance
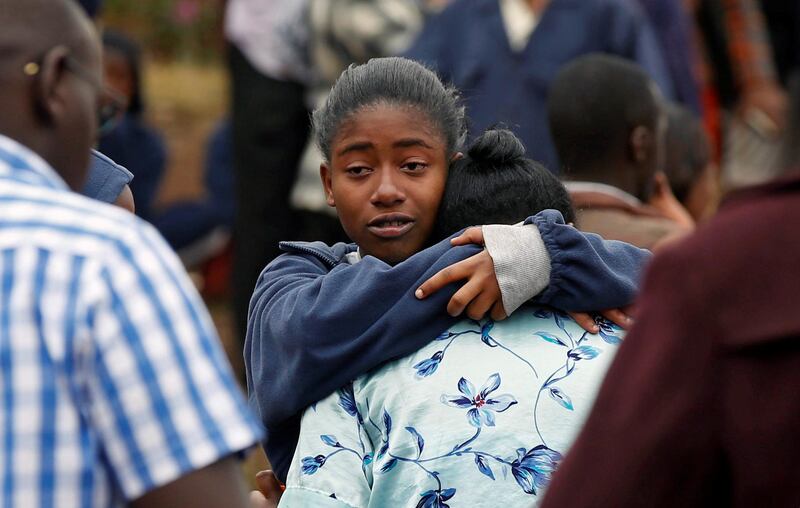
(640, 144)
(325, 175)
(49, 99)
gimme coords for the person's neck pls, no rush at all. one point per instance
(30, 142)
(619, 176)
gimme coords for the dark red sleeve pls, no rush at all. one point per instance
(650, 439)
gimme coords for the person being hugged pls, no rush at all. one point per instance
(485, 406)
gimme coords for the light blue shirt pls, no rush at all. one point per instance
(112, 378)
(481, 416)
(105, 179)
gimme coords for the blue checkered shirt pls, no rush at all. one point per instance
(112, 378)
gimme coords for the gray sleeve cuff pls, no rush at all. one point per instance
(521, 262)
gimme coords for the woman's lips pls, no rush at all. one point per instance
(391, 225)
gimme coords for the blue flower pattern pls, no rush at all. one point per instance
(531, 468)
(436, 498)
(481, 406)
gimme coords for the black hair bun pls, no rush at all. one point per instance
(496, 146)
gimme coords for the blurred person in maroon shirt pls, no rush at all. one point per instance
(701, 406)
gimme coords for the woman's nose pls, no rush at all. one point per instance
(389, 191)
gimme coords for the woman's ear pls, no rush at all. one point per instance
(325, 175)
(50, 101)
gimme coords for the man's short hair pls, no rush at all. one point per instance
(495, 184)
(594, 103)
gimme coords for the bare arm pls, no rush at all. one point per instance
(125, 199)
(219, 485)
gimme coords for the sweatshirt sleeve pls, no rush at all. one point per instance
(587, 273)
(521, 262)
(311, 330)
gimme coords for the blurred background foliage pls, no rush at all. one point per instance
(184, 78)
(188, 30)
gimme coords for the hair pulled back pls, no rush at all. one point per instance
(495, 147)
(496, 184)
(391, 81)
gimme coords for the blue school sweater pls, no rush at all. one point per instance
(317, 322)
(467, 44)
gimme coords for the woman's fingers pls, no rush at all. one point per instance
(481, 305)
(585, 321)
(498, 311)
(618, 317)
(453, 273)
(463, 297)
(473, 235)
(269, 486)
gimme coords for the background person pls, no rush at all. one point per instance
(608, 123)
(270, 73)
(106, 180)
(131, 142)
(504, 54)
(689, 165)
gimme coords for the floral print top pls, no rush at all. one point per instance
(481, 416)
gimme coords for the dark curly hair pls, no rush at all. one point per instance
(496, 184)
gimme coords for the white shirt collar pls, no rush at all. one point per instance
(353, 257)
(520, 21)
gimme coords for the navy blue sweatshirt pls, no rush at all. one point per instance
(316, 322)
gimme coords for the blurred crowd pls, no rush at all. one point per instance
(721, 68)
(712, 60)
(646, 152)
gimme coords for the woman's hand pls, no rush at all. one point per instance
(481, 292)
(479, 295)
(269, 491)
(620, 317)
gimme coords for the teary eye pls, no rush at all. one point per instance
(358, 170)
(415, 166)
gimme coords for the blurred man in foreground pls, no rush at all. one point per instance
(114, 387)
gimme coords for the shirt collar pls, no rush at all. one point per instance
(353, 257)
(20, 162)
(520, 21)
(602, 188)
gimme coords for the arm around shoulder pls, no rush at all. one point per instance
(313, 327)
(562, 266)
